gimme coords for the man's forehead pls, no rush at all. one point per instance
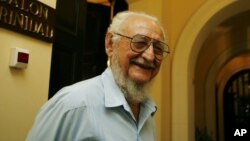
(146, 30)
(142, 22)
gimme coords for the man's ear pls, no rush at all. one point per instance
(109, 44)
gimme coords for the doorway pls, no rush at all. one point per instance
(78, 49)
(183, 77)
(237, 106)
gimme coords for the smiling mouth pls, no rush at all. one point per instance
(142, 63)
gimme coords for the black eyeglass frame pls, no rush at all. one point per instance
(149, 43)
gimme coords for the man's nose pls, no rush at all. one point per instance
(149, 53)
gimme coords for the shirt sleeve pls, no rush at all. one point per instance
(51, 124)
(58, 120)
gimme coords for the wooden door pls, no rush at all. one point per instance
(78, 49)
(69, 41)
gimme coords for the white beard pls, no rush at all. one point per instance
(135, 92)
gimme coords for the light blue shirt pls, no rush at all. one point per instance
(93, 110)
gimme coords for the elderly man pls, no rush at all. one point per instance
(114, 106)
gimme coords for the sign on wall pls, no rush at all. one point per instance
(29, 17)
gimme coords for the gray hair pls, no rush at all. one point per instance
(120, 18)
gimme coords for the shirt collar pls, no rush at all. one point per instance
(151, 106)
(113, 94)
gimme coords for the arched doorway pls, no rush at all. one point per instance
(187, 50)
(237, 106)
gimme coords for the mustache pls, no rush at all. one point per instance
(143, 62)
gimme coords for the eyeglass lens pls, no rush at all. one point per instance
(140, 43)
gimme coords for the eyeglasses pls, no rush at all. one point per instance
(140, 43)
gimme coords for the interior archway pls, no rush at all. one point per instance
(206, 18)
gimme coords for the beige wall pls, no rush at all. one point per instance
(22, 92)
